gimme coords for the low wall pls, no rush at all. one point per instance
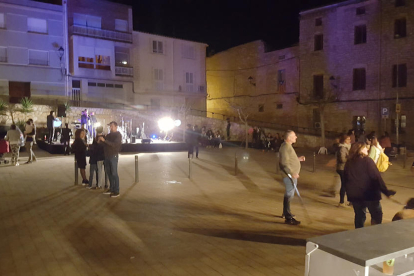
(104, 116)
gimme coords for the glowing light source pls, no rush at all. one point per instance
(166, 124)
(98, 124)
(125, 62)
(177, 123)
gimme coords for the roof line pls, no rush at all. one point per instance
(340, 4)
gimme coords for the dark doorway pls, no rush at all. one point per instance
(18, 90)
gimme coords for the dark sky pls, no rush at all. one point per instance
(222, 24)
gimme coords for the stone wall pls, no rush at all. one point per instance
(104, 116)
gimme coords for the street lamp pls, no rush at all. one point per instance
(61, 51)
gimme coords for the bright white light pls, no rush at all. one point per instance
(177, 123)
(98, 124)
(124, 62)
(166, 124)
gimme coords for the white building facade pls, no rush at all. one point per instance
(31, 65)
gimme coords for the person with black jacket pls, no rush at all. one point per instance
(364, 185)
(79, 148)
(96, 160)
(66, 134)
(51, 129)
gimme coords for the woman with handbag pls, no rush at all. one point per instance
(15, 138)
(30, 133)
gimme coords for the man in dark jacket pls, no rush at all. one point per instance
(364, 185)
(50, 127)
(112, 145)
(66, 134)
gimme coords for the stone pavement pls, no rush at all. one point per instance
(215, 223)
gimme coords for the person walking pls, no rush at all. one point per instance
(341, 158)
(290, 168)
(79, 148)
(14, 136)
(375, 150)
(66, 134)
(364, 185)
(30, 134)
(188, 137)
(112, 146)
(50, 127)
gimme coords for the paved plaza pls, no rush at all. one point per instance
(216, 223)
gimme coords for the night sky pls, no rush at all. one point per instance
(223, 24)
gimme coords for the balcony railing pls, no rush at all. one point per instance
(99, 33)
(76, 96)
(124, 71)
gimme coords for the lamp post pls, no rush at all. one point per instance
(397, 121)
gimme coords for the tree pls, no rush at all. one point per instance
(320, 101)
(243, 111)
(27, 105)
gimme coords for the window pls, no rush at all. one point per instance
(86, 20)
(121, 56)
(359, 80)
(121, 25)
(155, 104)
(281, 81)
(100, 84)
(91, 83)
(399, 3)
(399, 75)
(38, 57)
(76, 84)
(189, 82)
(37, 25)
(261, 107)
(188, 51)
(85, 62)
(279, 106)
(318, 22)
(102, 62)
(400, 28)
(360, 34)
(360, 10)
(2, 22)
(157, 47)
(109, 85)
(159, 79)
(318, 42)
(3, 54)
(119, 86)
(318, 86)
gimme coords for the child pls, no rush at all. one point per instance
(79, 148)
(96, 160)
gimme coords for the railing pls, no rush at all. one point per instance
(100, 33)
(124, 71)
(76, 96)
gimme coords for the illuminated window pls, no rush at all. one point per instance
(399, 75)
(85, 62)
(121, 56)
(360, 34)
(102, 62)
(400, 28)
(37, 25)
(318, 44)
(157, 47)
(359, 79)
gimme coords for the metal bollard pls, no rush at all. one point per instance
(136, 169)
(277, 162)
(189, 168)
(76, 172)
(235, 164)
(314, 161)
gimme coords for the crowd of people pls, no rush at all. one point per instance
(207, 138)
(265, 142)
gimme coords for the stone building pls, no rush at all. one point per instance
(358, 52)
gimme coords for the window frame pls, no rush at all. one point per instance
(400, 74)
(359, 82)
(360, 34)
(361, 10)
(400, 30)
(29, 30)
(318, 22)
(318, 94)
(156, 47)
(318, 41)
(30, 61)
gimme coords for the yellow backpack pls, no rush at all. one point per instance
(383, 162)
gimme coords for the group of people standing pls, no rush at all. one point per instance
(17, 139)
(361, 180)
(104, 156)
(264, 141)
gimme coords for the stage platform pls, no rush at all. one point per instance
(156, 146)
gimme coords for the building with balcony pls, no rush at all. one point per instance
(31, 65)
